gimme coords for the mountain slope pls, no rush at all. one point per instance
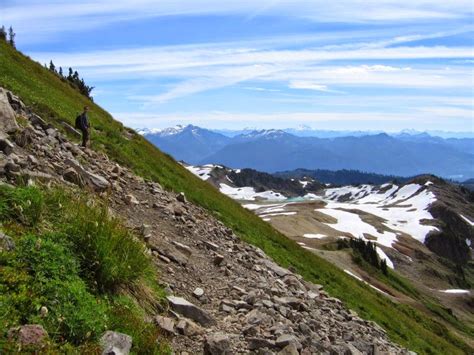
(341, 177)
(189, 143)
(380, 154)
(56, 101)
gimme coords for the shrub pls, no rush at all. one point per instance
(49, 277)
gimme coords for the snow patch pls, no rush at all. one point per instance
(249, 194)
(456, 291)
(203, 172)
(314, 236)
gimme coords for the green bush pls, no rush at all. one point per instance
(72, 257)
(109, 255)
(49, 277)
(23, 205)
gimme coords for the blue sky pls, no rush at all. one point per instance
(341, 65)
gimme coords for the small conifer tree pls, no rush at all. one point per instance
(11, 37)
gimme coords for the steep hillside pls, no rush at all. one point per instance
(57, 102)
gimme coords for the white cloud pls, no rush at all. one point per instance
(310, 85)
(364, 120)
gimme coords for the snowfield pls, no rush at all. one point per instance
(249, 194)
(203, 172)
(401, 209)
(377, 213)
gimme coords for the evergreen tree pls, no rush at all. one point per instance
(3, 33)
(61, 72)
(11, 37)
(52, 67)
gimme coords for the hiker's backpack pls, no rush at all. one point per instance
(78, 123)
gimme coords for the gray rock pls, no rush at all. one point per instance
(71, 175)
(275, 268)
(12, 167)
(6, 146)
(8, 122)
(188, 328)
(260, 343)
(25, 137)
(181, 197)
(191, 311)
(96, 182)
(15, 102)
(211, 245)
(131, 200)
(37, 121)
(165, 323)
(217, 344)
(218, 259)
(292, 302)
(114, 343)
(29, 334)
(285, 339)
(6, 243)
(290, 349)
(198, 292)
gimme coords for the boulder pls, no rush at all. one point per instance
(96, 182)
(114, 343)
(165, 323)
(71, 175)
(217, 344)
(278, 270)
(191, 311)
(29, 334)
(8, 122)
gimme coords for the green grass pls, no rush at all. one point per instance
(87, 269)
(57, 101)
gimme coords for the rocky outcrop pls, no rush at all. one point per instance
(8, 123)
(242, 302)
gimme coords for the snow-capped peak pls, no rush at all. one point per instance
(164, 131)
(264, 133)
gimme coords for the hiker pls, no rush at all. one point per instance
(82, 123)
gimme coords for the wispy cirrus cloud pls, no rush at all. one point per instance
(56, 17)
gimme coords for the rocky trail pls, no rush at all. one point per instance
(225, 296)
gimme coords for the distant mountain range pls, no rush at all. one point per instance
(403, 154)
